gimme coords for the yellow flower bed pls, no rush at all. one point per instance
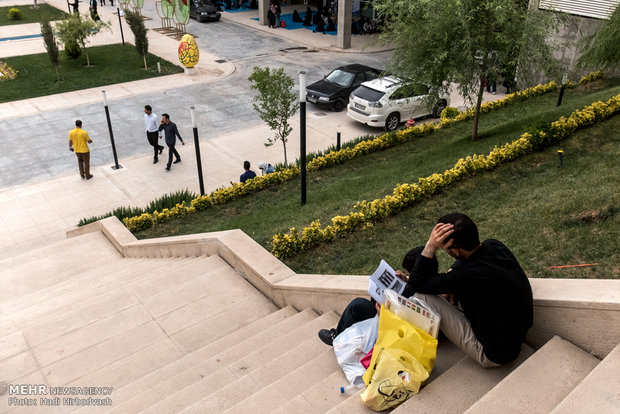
(367, 213)
(7, 72)
(383, 141)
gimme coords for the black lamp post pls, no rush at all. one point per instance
(192, 110)
(302, 134)
(107, 115)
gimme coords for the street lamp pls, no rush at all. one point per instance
(107, 115)
(192, 111)
(302, 134)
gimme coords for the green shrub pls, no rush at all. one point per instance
(15, 14)
(449, 112)
(72, 50)
(164, 202)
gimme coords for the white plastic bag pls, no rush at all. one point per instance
(352, 345)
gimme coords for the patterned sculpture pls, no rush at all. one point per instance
(188, 51)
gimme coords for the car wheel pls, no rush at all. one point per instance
(338, 105)
(439, 106)
(392, 121)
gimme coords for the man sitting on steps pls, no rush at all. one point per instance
(493, 293)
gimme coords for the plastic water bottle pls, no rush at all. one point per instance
(348, 389)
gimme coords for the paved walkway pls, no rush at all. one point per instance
(39, 213)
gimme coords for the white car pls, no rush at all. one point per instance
(387, 102)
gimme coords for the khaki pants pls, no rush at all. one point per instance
(84, 163)
(457, 328)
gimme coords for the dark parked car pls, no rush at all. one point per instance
(334, 90)
(203, 11)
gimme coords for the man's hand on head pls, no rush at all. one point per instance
(437, 239)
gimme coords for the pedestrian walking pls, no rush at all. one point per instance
(152, 131)
(170, 132)
(102, 2)
(78, 142)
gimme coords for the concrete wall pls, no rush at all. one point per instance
(584, 312)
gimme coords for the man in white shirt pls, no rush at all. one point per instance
(151, 125)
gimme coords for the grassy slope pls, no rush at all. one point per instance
(109, 65)
(31, 15)
(334, 191)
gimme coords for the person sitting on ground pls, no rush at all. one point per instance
(296, 17)
(493, 292)
(265, 168)
(248, 174)
(308, 17)
(360, 309)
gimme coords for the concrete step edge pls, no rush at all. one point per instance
(541, 382)
(205, 359)
(598, 392)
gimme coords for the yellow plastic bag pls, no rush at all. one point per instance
(403, 358)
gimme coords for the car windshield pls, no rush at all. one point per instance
(340, 78)
(203, 2)
(368, 94)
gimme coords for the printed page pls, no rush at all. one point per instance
(384, 278)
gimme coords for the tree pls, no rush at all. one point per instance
(275, 103)
(50, 44)
(464, 40)
(136, 24)
(76, 30)
(602, 49)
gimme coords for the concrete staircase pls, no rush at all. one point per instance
(191, 335)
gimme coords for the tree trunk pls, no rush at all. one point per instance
(145, 67)
(87, 58)
(57, 74)
(474, 132)
(285, 160)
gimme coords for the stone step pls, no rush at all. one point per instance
(281, 390)
(80, 290)
(268, 363)
(448, 354)
(76, 258)
(603, 382)
(59, 256)
(459, 387)
(198, 365)
(541, 382)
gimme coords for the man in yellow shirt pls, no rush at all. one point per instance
(78, 142)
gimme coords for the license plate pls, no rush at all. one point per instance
(358, 106)
(311, 99)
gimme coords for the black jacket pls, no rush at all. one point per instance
(493, 291)
(170, 133)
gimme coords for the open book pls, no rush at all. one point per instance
(384, 278)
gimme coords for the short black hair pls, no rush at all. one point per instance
(465, 234)
(78, 123)
(148, 108)
(166, 116)
(411, 257)
(246, 165)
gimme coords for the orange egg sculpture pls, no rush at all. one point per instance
(188, 51)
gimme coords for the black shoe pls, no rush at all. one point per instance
(161, 149)
(177, 161)
(167, 168)
(155, 161)
(88, 177)
(327, 336)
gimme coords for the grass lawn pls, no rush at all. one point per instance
(30, 14)
(110, 64)
(536, 208)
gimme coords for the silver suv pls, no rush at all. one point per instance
(387, 102)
